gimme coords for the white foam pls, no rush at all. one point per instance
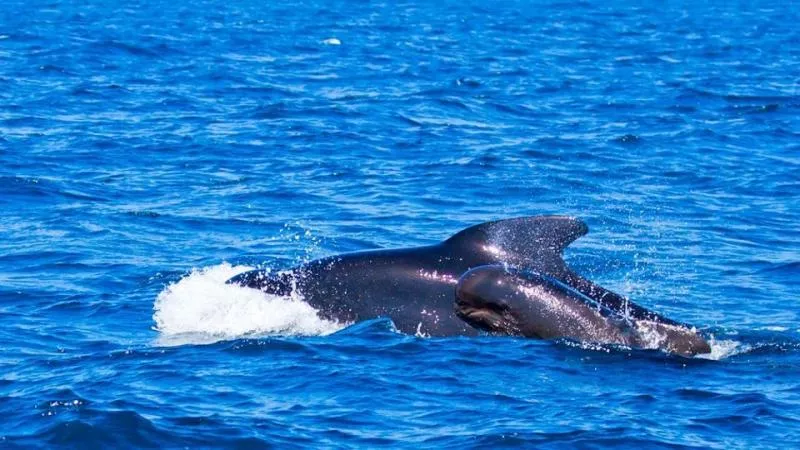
(332, 41)
(200, 308)
(721, 349)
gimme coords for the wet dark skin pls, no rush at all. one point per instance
(416, 287)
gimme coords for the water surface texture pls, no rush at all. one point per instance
(151, 149)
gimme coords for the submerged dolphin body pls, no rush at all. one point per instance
(416, 287)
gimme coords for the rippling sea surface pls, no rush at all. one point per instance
(149, 150)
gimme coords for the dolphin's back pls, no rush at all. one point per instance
(415, 286)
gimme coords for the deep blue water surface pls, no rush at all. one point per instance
(151, 149)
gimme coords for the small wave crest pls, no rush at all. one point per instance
(201, 308)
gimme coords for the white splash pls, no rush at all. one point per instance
(332, 41)
(724, 349)
(200, 308)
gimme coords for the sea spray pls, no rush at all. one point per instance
(201, 307)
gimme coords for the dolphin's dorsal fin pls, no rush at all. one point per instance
(533, 242)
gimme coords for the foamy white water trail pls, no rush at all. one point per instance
(201, 308)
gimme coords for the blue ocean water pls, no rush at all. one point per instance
(151, 149)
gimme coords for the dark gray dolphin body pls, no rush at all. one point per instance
(415, 287)
(522, 303)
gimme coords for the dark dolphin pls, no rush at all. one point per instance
(415, 287)
(515, 302)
